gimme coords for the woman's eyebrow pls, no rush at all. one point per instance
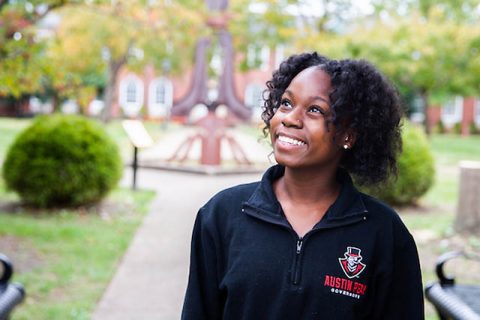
(319, 98)
(290, 93)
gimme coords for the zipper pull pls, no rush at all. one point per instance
(299, 245)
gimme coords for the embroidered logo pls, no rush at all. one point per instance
(351, 264)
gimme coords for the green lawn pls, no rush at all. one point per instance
(451, 149)
(66, 258)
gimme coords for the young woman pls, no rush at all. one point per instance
(304, 243)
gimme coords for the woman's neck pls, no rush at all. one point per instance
(308, 187)
(306, 196)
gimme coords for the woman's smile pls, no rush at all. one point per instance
(287, 141)
(301, 135)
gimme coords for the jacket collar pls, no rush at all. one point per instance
(347, 208)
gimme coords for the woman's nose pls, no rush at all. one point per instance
(293, 118)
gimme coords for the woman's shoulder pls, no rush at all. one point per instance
(238, 193)
(374, 204)
(229, 200)
(387, 216)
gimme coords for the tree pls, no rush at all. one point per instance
(436, 57)
(20, 49)
(273, 23)
(123, 33)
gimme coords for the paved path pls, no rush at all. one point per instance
(151, 278)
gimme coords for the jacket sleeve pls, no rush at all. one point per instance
(202, 298)
(404, 297)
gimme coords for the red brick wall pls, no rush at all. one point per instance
(468, 115)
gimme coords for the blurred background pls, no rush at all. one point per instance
(190, 76)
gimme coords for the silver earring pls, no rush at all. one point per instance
(270, 156)
(345, 146)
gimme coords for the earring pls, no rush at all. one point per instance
(345, 146)
(270, 156)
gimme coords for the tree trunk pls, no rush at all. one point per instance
(468, 210)
(55, 102)
(109, 96)
(426, 120)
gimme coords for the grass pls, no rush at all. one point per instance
(451, 149)
(66, 258)
(69, 256)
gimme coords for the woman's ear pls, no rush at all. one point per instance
(348, 139)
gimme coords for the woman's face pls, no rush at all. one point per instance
(300, 135)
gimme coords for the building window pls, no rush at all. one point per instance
(131, 95)
(279, 55)
(258, 57)
(131, 91)
(160, 97)
(417, 113)
(452, 112)
(160, 94)
(264, 58)
(254, 100)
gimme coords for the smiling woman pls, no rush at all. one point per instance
(304, 243)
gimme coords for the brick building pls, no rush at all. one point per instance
(151, 95)
(458, 115)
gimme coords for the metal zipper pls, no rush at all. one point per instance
(296, 270)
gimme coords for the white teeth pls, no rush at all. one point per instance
(291, 141)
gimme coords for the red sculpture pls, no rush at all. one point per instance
(213, 128)
(211, 134)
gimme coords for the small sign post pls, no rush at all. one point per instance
(139, 138)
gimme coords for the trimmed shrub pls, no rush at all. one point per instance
(473, 128)
(416, 170)
(457, 128)
(62, 161)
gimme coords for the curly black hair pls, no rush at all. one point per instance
(362, 101)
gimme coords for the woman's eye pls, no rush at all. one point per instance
(285, 104)
(316, 109)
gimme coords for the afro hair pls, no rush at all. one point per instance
(363, 101)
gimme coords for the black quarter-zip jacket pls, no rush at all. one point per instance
(358, 262)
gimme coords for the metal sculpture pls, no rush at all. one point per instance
(212, 128)
(198, 93)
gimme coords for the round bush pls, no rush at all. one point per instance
(416, 170)
(62, 161)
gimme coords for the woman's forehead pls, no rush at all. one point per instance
(312, 81)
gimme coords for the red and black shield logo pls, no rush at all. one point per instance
(351, 263)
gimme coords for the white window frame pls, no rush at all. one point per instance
(252, 91)
(452, 112)
(251, 56)
(131, 108)
(261, 55)
(279, 55)
(264, 58)
(476, 112)
(162, 108)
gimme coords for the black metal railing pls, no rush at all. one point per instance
(452, 300)
(11, 294)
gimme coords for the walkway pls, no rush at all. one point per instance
(151, 279)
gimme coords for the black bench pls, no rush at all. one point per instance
(451, 300)
(11, 294)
